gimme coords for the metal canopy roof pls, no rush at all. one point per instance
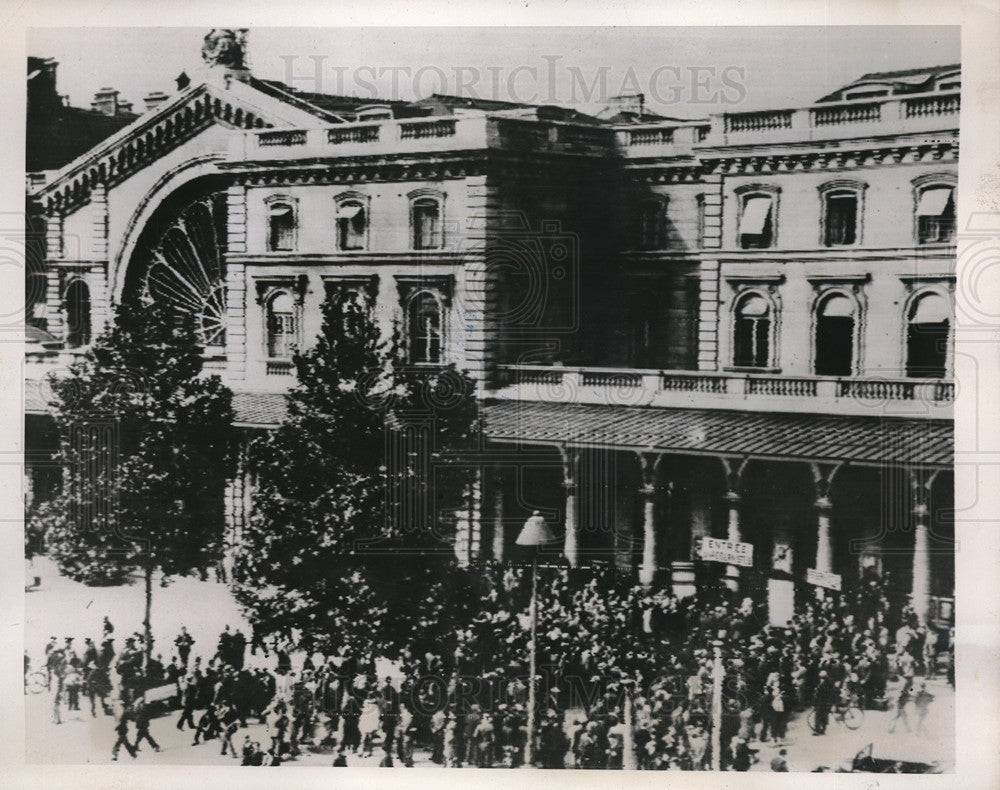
(872, 441)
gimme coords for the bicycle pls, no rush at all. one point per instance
(36, 682)
(848, 713)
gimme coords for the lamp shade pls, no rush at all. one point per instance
(535, 532)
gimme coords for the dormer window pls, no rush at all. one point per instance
(874, 94)
(374, 113)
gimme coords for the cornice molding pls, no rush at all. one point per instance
(359, 171)
(144, 142)
(832, 160)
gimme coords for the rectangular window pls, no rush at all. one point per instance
(351, 227)
(841, 220)
(282, 228)
(936, 216)
(426, 225)
(757, 224)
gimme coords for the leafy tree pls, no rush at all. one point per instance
(354, 508)
(146, 447)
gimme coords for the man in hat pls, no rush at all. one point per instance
(90, 655)
(183, 642)
(825, 697)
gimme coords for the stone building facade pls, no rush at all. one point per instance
(738, 326)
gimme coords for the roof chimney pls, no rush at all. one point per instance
(154, 100)
(105, 101)
(628, 102)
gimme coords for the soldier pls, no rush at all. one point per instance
(237, 649)
(184, 642)
(90, 654)
(189, 701)
(141, 715)
(825, 695)
(122, 729)
(72, 684)
(229, 720)
(208, 725)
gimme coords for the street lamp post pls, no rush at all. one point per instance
(717, 705)
(535, 533)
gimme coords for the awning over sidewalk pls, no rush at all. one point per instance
(807, 437)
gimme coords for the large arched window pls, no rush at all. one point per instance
(836, 324)
(77, 314)
(425, 223)
(282, 325)
(352, 225)
(280, 225)
(753, 324)
(927, 337)
(424, 322)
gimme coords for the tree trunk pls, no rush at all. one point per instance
(147, 630)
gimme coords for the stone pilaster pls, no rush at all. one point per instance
(99, 220)
(101, 310)
(476, 302)
(708, 303)
(236, 294)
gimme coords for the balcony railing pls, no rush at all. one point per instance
(700, 389)
(282, 138)
(758, 121)
(423, 129)
(892, 115)
(355, 134)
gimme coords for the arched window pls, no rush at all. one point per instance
(282, 325)
(424, 328)
(927, 336)
(752, 332)
(836, 321)
(757, 220)
(936, 214)
(280, 226)
(77, 314)
(425, 223)
(352, 225)
(652, 221)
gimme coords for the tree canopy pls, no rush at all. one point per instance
(146, 448)
(358, 492)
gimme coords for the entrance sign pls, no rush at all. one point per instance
(823, 579)
(731, 552)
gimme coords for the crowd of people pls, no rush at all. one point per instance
(624, 678)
